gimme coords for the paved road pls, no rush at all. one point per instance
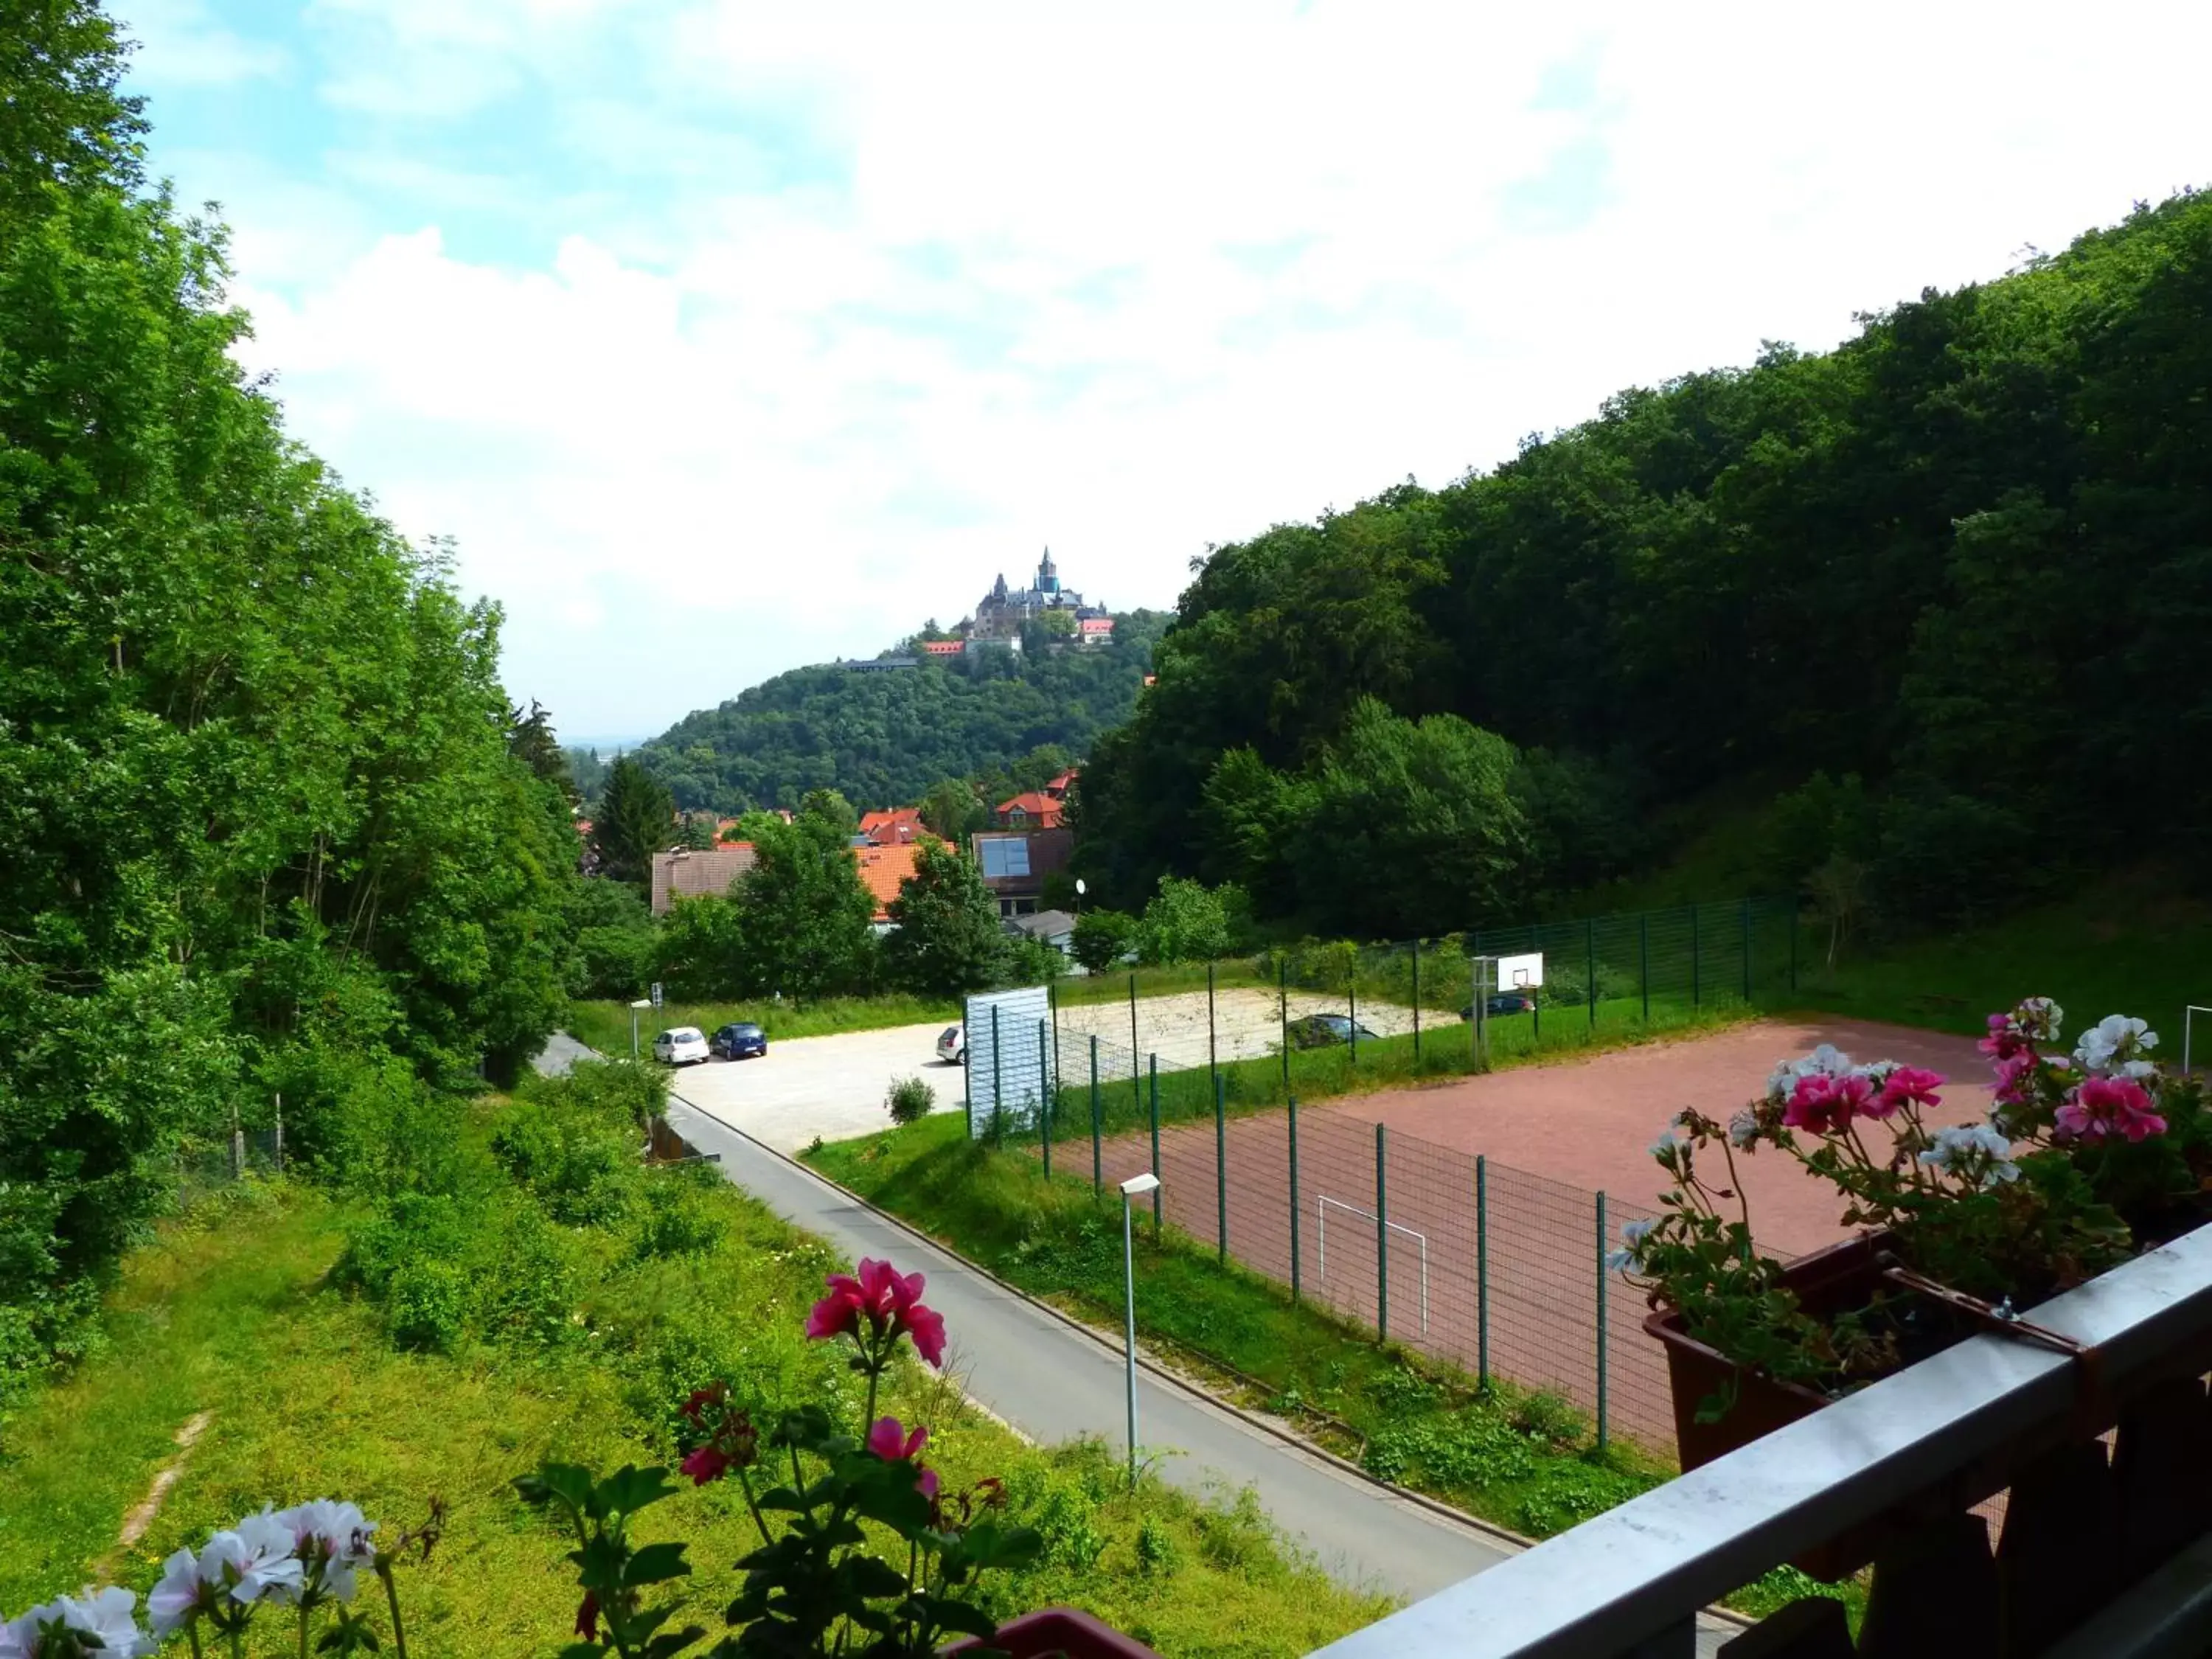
(560, 1053)
(1055, 1383)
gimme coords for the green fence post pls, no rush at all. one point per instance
(1098, 1180)
(1155, 1060)
(1221, 1169)
(1601, 1321)
(997, 1098)
(1294, 1284)
(1536, 1017)
(1417, 1004)
(1136, 1089)
(1283, 1016)
(1212, 1066)
(1044, 1105)
(1590, 965)
(1697, 984)
(1747, 950)
(1643, 960)
(1482, 1272)
(1382, 1238)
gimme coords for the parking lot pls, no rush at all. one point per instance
(830, 1086)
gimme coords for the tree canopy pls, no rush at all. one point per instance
(1964, 558)
(884, 737)
(269, 822)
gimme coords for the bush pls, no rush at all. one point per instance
(427, 1305)
(673, 1222)
(1550, 1417)
(909, 1100)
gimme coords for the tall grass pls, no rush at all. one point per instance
(233, 1311)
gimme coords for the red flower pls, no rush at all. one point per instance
(836, 1312)
(2109, 1105)
(926, 1326)
(890, 1441)
(1826, 1104)
(925, 1483)
(714, 1395)
(587, 1618)
(888, 1300)
(709, 1463)
(1907, 1084)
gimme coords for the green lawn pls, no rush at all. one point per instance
(605, 1025)
(230, 1312)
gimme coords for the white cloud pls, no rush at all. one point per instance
(1129, 282)
(182, 46)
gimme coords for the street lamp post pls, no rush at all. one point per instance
(642, 1002)
(1132, 1189)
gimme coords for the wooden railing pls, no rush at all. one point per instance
(2103, 1455)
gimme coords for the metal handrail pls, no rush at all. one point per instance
(1631, 1580)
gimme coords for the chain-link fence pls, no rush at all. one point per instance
(1314, 1020)
(1495, 1270)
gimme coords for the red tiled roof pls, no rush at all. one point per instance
(1036, 806)
(1097, 624)
(889, 829)
(882, 870)
(943, 647)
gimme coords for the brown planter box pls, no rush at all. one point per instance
(1828, 1281)
(1060, 1630)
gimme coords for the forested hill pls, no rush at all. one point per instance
(1961, 566)
(884, 737)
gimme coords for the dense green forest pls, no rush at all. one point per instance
(884, 737)
(1938, 596)
(269, 825)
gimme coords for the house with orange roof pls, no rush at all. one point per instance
(882, 870)
(894, 828)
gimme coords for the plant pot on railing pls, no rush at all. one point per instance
(1835, 1279)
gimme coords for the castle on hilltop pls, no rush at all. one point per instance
(1002, 612)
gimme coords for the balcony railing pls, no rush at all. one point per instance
(2104, 1454)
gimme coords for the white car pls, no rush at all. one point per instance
(682, 1045)
(952, 1047)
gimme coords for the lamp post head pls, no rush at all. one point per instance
(642, 1002)
(1138, 1185)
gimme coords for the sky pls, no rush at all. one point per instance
(723, 338)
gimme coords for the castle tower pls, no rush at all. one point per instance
(1048, 579)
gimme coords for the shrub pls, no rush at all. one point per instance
(1157, 1554)
(909, 1100)
(427, 1305)
(673, 1222)
(1550, 1417)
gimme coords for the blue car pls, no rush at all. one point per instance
(737, 1042)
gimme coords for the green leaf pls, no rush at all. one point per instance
(630, 1489)
(655, 1564)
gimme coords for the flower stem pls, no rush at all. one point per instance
(745, 1480)
(192, 1634)
(391, 1600)
(305, 1612)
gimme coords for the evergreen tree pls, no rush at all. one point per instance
(636, 819)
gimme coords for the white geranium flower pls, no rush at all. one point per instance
(103, 1615)
(1827, 1058)
(1972, 1146)
(181, 1594)
(1665, 1147)
(335, 1538)
(1743, 1128)
(254, 1561)
(2115, 1037)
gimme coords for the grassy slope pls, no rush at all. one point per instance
(605, 1025)
(228, 1312)
(2134, 942)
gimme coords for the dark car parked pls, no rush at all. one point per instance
(1502, 1002)
(736, 1042)
(1322, 1030)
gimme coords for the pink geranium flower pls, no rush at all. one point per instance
(1825, 1104)
(707, 1463)
(884, 1298)
(837, 1313)
(2107, 1106)
(890, 1441)
(1911, 1086)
